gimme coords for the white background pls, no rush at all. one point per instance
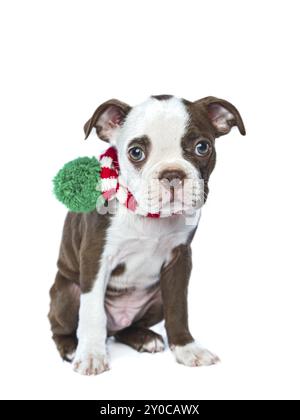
(59, 61)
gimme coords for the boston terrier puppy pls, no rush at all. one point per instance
(126, 267)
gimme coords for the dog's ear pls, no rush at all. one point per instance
(222, 115)
(106, 119)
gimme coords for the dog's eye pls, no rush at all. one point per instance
(136, 153)
(202, 148)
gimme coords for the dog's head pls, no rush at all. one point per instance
(166, 146)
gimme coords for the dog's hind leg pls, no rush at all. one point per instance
(138, 335)
(141, 339)
(63, 315)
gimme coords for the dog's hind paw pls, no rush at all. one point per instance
(155, 345)
(194, 355)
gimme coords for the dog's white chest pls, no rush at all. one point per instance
(143, 245)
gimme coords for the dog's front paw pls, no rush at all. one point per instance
(87, 363)
(194, 355)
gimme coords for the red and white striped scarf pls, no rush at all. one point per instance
(111, 187)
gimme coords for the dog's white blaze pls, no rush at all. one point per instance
(164, 122)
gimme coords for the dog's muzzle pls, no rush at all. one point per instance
(172, 182)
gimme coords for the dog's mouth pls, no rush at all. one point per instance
(174, 197)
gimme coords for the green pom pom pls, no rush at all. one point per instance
(77, 184)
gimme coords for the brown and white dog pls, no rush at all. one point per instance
(121, 273)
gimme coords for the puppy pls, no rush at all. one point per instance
(121, 271)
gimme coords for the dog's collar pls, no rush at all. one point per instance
(112, 186)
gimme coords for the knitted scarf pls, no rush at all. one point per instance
(112, 187)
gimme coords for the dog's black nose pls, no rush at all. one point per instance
(172, 175)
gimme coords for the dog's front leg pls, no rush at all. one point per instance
(91, 357)
(174, 286)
